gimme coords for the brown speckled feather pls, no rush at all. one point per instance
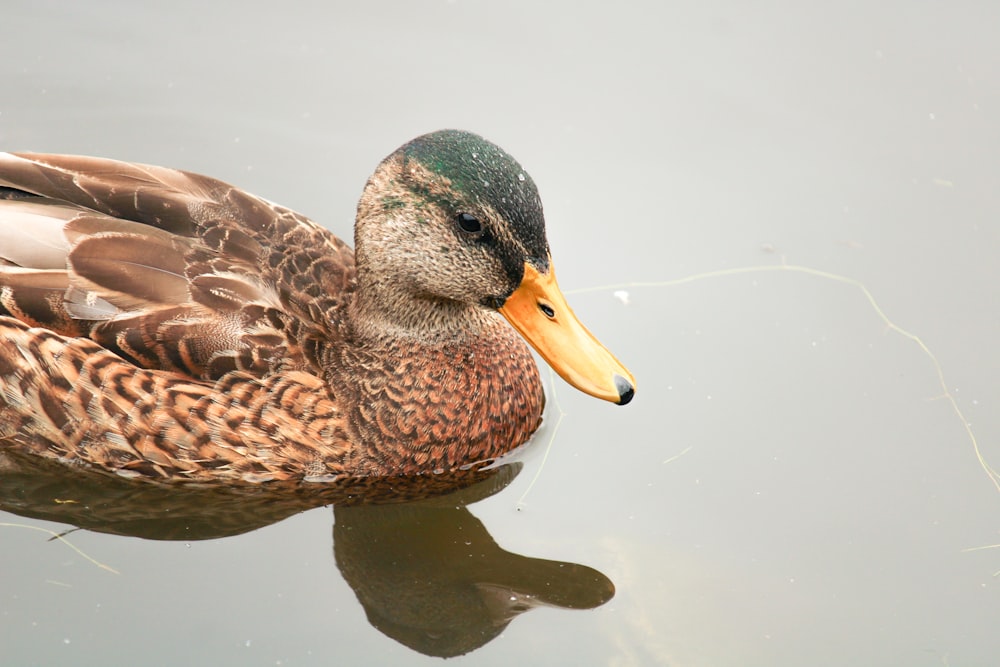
(165, 325)
(177, 271)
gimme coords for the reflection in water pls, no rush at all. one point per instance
(430, 575)
(42, 489)
(427, 572)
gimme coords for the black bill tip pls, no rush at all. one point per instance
(625, 389)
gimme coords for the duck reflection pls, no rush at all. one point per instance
(430, 576)
(426, 571)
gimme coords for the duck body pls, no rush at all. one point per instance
(165, 325)
(400, 407)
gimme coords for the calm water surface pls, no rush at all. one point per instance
(797, 481)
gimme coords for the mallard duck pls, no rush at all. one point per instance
(161, 324)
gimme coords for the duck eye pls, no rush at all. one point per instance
(469, 223)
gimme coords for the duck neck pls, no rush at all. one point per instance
(384, 309)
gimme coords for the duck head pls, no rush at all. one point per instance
(450, 231)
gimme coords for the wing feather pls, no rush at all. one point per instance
(169, 269)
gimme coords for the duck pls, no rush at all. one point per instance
(167, 326)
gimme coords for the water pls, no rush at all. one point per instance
(791, 485)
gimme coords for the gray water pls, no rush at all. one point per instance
(794, 483)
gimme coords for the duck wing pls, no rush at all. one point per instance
(168, 269)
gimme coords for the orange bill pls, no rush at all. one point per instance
(538, 310)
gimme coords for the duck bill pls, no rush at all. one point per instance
(539, 312)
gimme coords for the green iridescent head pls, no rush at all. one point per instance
(482, 175)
